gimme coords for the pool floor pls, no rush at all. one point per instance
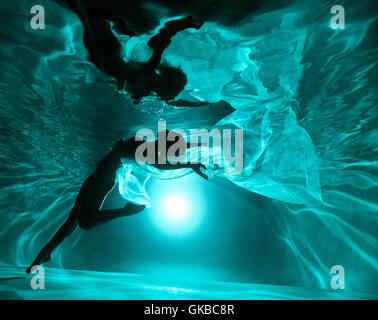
(80, 284)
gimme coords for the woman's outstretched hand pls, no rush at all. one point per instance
(197, 169)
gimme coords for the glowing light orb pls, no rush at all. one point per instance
(178, 205)
(176, 208)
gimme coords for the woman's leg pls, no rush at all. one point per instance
(89, 219)
(64, 231)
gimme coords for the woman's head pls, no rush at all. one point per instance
(170, 82)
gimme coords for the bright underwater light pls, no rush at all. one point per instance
(177, 206)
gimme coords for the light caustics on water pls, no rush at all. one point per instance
(305, 96)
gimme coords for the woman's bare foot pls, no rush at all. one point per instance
(41, 258)
(134, 208)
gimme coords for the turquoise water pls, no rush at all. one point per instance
(305, 96)
(64, 284)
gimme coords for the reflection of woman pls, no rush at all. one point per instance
(139, 79)
(86, 212)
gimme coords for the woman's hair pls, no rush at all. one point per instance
(171, 82)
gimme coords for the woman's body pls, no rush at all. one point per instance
(86, 212)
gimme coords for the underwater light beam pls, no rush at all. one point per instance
(180, 207)
(176, 208)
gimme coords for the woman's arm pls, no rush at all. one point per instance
(196, 167)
